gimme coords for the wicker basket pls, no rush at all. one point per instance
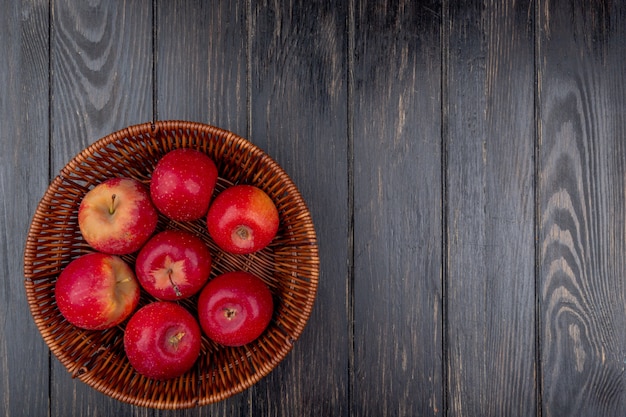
(289, 266)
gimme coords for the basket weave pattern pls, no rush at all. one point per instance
(289, 265)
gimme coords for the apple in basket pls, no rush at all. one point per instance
(242, 219)
(162, 340)
(173, 264)
(97, 291)
(117, 216)
(235, 308)
(182, 184)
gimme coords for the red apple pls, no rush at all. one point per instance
(182, 184)
(162, 340)
(235, 308)
(173, 264)
(96, 291)
(242, 219)
(117, 216)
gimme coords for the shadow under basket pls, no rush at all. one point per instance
(289, 265)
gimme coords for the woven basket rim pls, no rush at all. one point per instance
(40, 271)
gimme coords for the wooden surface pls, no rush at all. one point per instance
(464, 163)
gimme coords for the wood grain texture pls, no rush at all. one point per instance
(490, 172)
(201, 76)
(397, 209)
(23, 178)
(202, 63)
(298, 101)
(582, 205)
(464, 163)
(101, 71)
(101, 82)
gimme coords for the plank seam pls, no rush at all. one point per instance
(249, 29)
(350, 285)
(248, 104)
(537, 214)
(155, 107)
(50, 173)
(445, 51)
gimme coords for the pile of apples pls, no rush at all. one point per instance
(100, 290)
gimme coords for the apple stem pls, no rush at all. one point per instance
(112, 208)
(176, 289)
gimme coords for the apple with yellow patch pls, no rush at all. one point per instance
(97, 291)
(173, 265)
(117, 216)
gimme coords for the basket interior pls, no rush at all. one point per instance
(289, 265)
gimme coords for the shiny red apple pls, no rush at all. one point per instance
(97, 291)
(173, 265)
(117, 216)
(162, 340)
(242, 219)
(182, 184)
(235, 308)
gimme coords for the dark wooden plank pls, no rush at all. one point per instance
(490, 172)
(299, 116)
(397, 209)
(24, 136)
(201, 76)
(101, 82)
(102, 72)
(582, 186)
(202, 63)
